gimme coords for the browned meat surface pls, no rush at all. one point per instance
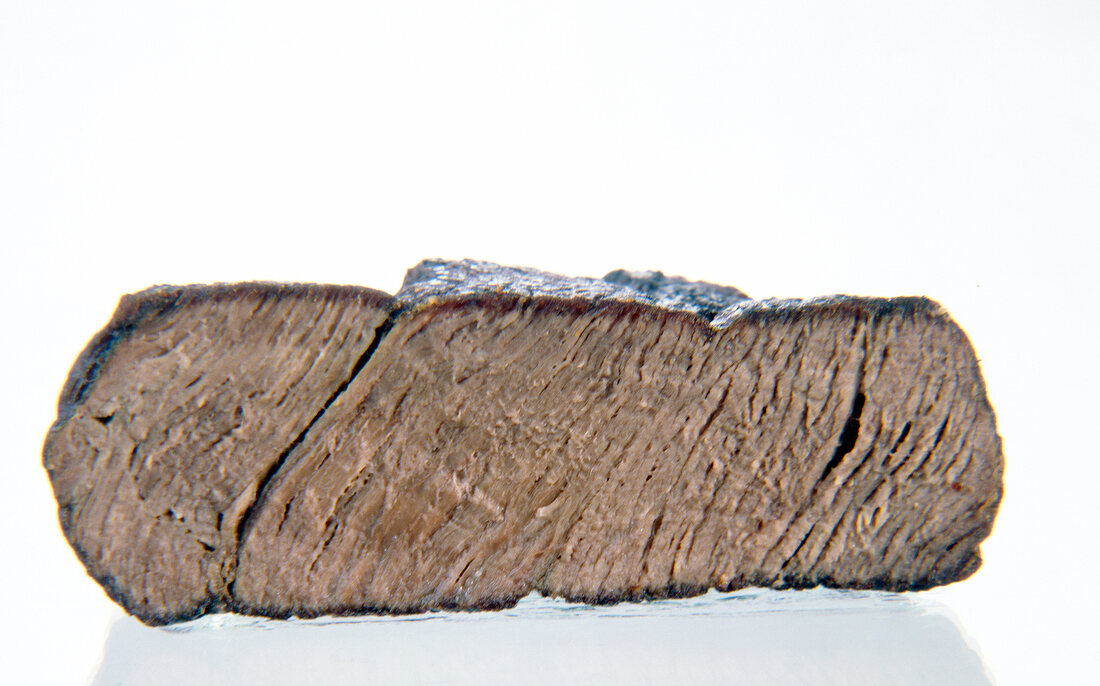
(490, 431)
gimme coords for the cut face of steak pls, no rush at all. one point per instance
(174, 416)
(493, 431)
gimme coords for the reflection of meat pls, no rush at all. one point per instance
(488, 432)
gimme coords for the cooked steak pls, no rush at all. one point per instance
(297, 450)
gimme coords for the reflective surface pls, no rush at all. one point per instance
(749, 637)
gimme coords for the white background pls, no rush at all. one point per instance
(949, 149)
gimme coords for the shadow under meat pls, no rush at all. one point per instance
(748, 637)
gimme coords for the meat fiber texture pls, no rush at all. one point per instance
(300, 450)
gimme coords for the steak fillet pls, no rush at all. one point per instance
(299, 450)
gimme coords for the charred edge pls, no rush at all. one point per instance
(130, 315)
(246, 520)
(117, 592)
(450, 604)
(883, 582)
(670, 591)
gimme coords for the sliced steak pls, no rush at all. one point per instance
(493, 431)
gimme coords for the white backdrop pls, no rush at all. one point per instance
(948, 149)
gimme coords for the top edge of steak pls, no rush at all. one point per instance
(441, 279)
(136, 309)
(489, 431)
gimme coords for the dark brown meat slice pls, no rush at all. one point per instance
(175, 414)
(495, 431)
